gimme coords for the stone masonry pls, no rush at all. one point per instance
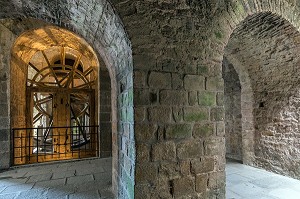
(165, 61)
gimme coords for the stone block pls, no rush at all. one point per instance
(169, 170)
(207, 98)
(159, 80)
(146, 172)
(4, 134)
(193, 98)
(185, 167)
(194, 82)
(177, 114)
(144, 61)
(4, 160)
(203, 165)
(173, 97)
(193, 114)
(178, 131)
(203, 70)
(141, 97)
(203, 130)
(216, 180)
(145, 133)
(220, 129)
(3, 110)
(190, 149)
(142, 153)
(164, 151)
(177, 81)
(214, 146)
(217, 114)
(201, 183)
(220, 99)
(215, 84)
(183, 187)
(139, 79)
(160, 114)
(140, 114)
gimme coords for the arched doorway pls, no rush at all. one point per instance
(61, 80)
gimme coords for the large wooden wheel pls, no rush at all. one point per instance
(65, 79)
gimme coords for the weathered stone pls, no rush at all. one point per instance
(139, 79)
(145, 133)
(216, 180)
(207, 98)
(149, 176)
(215, 84)
(177, 81)
(144, 61)
(168, 97)
(142, 97)
(159, 80)
(220, 99)
(203, 130)
(220, 129)
(185, 167)
(140, 114)
(196, 114)
(217, 114)
(178, 131)
(177, 114)
(170, 170)
(164, 151)
(4, 134)
(201, 182)
(160, 114)
(194, 82)
(142, 153)
(190, 149)
(183, 186)
(193, 98)
(214, 146)
(205, 165)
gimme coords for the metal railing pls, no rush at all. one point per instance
(44, 144)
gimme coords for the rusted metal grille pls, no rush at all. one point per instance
(35, 145)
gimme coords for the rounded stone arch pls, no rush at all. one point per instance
(235, 14)
(99, 24)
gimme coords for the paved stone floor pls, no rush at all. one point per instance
(85, 179)
(244, 182)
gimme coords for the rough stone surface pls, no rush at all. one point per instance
(233, 115)
(166, 70)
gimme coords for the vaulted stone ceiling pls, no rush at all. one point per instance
(268, 47)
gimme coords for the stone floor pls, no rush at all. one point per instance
(85, 179)
(244, 182)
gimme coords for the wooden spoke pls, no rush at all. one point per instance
(52, 71)
(88, 71)
(86, 85)
(37, 117)
(44, 100)
(34, 67)
(63, 57)
(72, 73)
(78, 124)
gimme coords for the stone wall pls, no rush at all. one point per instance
(97, 22)
(267, 46)
(6, 42)
(105, 115)
(178, 100)
(233, 115)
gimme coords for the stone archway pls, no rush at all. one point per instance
(100, 26)
(268, 107)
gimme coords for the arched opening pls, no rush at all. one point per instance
(60, 73)
(261, 58)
